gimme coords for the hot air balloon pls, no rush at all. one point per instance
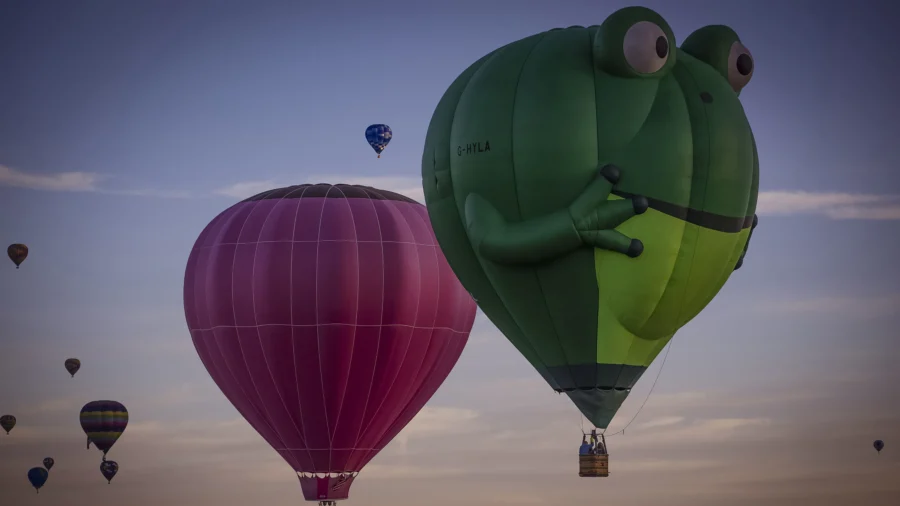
(17, 253)
(73, 365)
(48, 463)
(103, 422)
(594, 188)
(37, 476)
(7, 422)
(378, 136)
(879, 445)
(327, 315)
(109, 468)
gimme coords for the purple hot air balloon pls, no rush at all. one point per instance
(328, 316)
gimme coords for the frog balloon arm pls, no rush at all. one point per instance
(740, 261)
(524, 242)
(590, 220)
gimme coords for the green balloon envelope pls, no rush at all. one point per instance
(518, 140)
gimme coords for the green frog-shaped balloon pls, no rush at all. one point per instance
(594, 188)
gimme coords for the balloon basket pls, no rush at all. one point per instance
(593, 466)
(326, 489)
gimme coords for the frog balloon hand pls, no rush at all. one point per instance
(740, 261)
(595, 216)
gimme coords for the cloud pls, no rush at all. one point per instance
(401, 471)
(433, 422)
(59, 405)
(838, 206)
(247, 189)
(76, 182)
(59, 181)
(409, 186)
(662, 422)
(862, 307)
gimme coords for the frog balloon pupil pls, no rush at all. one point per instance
(744, 64)
(662, 47)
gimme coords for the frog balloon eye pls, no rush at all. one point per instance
(740, 66)
(646, 47)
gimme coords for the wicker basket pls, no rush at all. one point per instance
(593, 466)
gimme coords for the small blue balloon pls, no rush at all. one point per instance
(37, 476)
(109, 468)
(378, 136)
(879, 445)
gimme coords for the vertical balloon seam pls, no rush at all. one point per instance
(287, 411)
(409, 397)
(537, 277)
(333, 433)
(680, 312)
(254, 404)
(289, 454)
(401, 399)
(359, 432)
(247, 405)
(669, 279)
(481, 65)
(393, 213)
(413, 396)
(318, 333)
(527, 337)
(303, 437)
(382, 441)
(237, 336)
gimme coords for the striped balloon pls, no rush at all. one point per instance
(103, 422)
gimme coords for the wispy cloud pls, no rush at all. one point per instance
(838, 206)
(58, 181)
(76, 182)
(247, 189)
(834, 205)
(409, 186)
(664, 421)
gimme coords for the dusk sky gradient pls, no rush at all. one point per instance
(126, 126)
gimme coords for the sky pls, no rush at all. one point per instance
(125, 127)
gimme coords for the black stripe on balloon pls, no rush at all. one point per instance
(700, 218)
(320, 190)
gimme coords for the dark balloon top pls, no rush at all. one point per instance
(325, 190)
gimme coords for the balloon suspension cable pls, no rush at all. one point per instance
(658, 374)
(327, 503)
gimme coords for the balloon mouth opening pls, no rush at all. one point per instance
(326, 487)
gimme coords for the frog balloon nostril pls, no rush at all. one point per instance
(706, 97)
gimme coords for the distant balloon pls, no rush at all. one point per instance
(109, 468)
(103, 422)
(48, 463)
(17, 253)
(378, 136)
(37, 476)
(73, 365)
(879, 445)
(7, 422)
